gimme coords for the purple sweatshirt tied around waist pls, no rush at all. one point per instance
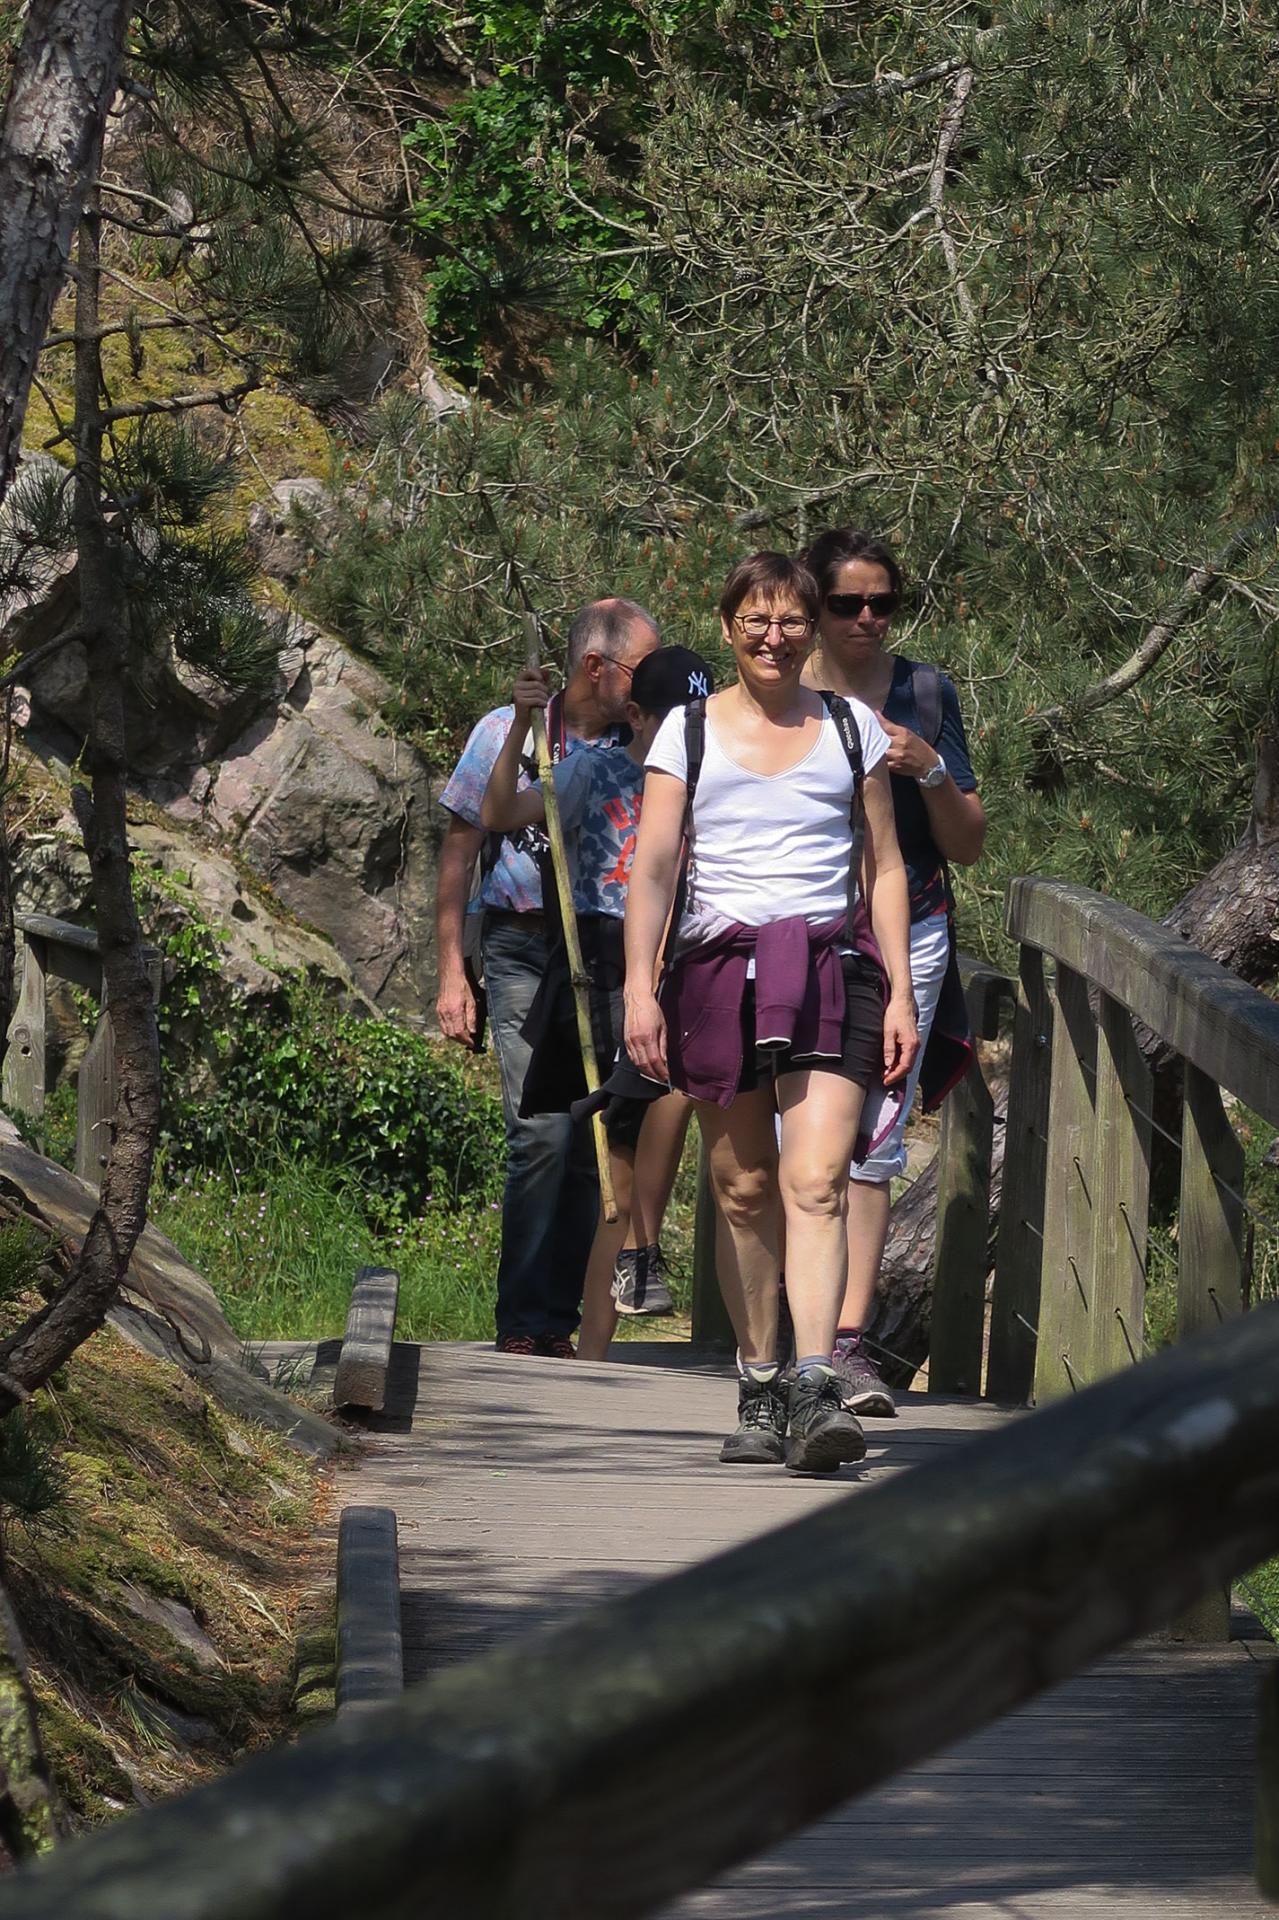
(799, 1001)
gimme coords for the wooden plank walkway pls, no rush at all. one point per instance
(527, 1490)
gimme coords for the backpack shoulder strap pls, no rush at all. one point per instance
(694, 754)
(851, 740)
(694, 748)
(925, 686)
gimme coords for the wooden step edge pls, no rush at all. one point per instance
(366, 1344)
(370, 1651)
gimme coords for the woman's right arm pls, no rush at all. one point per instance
(649, 897)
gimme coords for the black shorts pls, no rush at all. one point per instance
(623, 1119)
(862, 1057)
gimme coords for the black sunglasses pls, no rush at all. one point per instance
(848, 605)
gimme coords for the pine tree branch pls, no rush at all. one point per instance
(1159, 637)
(32, 662)
(952, 122)
(70, 337)
(765, 516)
(891, 85)
(225, 397)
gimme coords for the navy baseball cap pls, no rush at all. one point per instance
(670, 677)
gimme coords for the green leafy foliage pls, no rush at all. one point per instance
(390, 1109)
(514, 201)
(1000, 288)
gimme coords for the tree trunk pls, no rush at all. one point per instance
(64, 81)
(37, 1349)
(8, 938)
(1233, 912)
(31, 1816)
(902, 1317)
(1232, 915)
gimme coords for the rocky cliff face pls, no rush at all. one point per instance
(304, 786)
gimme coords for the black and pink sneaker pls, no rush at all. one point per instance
(863, 1390)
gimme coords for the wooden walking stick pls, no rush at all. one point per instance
(533, 630)
(568, 920)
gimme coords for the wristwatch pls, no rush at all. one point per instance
(934, 776)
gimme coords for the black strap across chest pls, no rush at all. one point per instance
(850, 740)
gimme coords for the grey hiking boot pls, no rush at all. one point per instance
(760, 1439)
(823, 1434)
(863, 1390)
(639, 1281)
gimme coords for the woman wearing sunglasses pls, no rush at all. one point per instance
(939, 819)
(767, 1006)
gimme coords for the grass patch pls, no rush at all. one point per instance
(280, 1242)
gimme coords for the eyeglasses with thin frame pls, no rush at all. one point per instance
(848, 606)
(791, 626)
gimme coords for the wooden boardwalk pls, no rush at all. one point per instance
(527, 1490)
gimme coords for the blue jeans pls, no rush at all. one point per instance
(551, 1203)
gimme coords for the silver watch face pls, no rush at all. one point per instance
(934, 776)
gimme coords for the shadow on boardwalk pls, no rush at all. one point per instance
(529, 1490)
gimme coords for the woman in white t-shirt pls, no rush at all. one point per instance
(774, 1003)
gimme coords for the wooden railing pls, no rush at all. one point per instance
(1068, 1296)
(56, 950)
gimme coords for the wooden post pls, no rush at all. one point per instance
(24, 1061)
(1014, 1309)
(1121, 1200)
(1211, 1221)
(711, 1324)
(1062, 1360)
(1266, 1843)
(963, 1221)
(365, 1359)
(95, 1100)
(370, 1650)
(1210, 1237)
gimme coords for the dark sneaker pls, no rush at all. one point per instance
(555, 1346)
(639, 1281)
(630, 1275)
(823, 1433)
(657, 1295)
(760, 1439)
(516, 1343)
(863, 1390)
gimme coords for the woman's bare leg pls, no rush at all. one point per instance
(741, 1154)
(819, 1113)
(599, 1316)
(868, 1206)
(657, 1158)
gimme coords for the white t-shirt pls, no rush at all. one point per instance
(767, 846)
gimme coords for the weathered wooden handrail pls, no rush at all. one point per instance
(606, 1767)
(58, 950)
(1080, 1288)
(1206, 1013)
(957, 1332)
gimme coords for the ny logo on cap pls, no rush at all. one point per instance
(698, 687)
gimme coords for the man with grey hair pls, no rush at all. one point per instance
(551, 1200)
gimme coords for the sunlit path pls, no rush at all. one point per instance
(528, 1490)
